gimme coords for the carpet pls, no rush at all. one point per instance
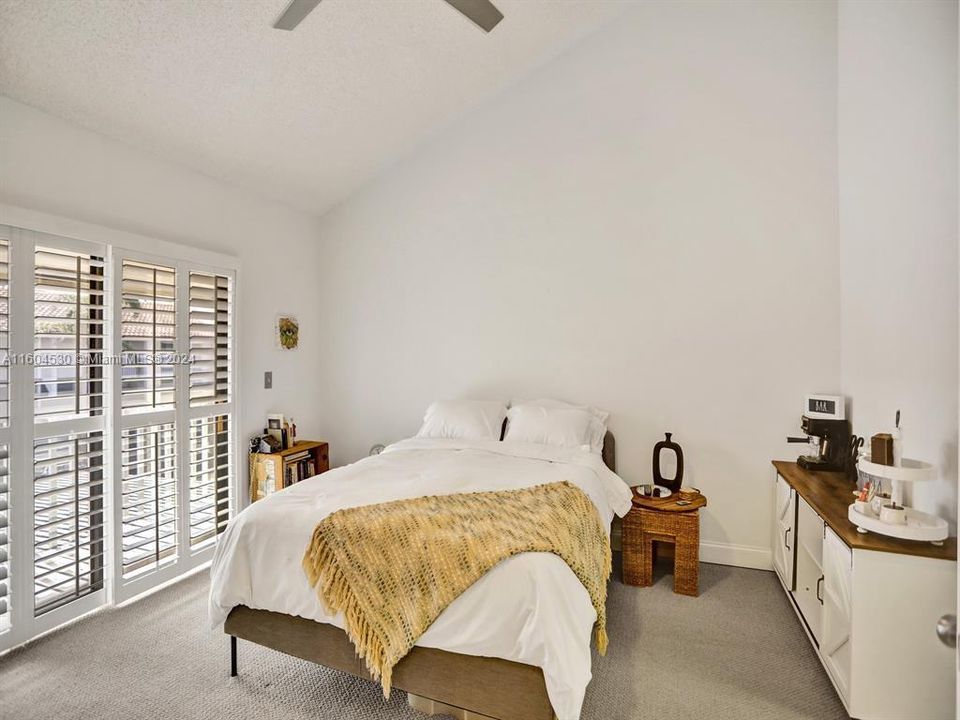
(736, 652)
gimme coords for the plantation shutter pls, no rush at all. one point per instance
(4, 332)
(210, 468)
(211, 311)
(160, 439)
(4, 540)
(68, 335)
(68, 446)
(68, 519)
(148, 337)
(4, 423)
(149, 492)
(148, 470)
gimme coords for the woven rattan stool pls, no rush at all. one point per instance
(653, 520)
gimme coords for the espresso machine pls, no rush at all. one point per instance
(828, 439)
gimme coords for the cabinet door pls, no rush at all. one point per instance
(784, 534)
(837, 610)
(809, 589)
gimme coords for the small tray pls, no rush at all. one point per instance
(668, 504)
(663, 492)
(919, 526)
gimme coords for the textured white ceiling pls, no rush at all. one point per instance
(306, 116)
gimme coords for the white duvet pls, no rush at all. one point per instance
(530, 608)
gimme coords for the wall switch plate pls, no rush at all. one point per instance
(267, 380)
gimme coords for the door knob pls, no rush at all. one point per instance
(947, 630)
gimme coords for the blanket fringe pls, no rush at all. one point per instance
(335, 593)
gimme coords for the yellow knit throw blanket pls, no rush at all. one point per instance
(393, 568)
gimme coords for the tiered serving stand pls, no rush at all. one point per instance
(920, 525)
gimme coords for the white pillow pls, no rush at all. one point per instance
(598, 425)
(561, 427)
(464, 420)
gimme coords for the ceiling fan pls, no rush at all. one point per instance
(482, 12)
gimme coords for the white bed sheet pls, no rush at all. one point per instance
(530, 608)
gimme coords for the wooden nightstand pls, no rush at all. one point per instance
(274, 471)
(653, 520)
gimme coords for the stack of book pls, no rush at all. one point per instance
(297, 467)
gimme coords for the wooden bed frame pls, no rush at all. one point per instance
(469, 687)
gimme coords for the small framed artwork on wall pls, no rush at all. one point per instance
(288, 332)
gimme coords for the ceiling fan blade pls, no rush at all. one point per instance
(482, 12)
(296, 11)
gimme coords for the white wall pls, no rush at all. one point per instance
(898, 228)
(647, 224)
(55, 167)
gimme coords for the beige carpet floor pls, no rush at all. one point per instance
(735, 652)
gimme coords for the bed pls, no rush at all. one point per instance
(514, 646)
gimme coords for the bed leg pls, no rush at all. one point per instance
(233, 656)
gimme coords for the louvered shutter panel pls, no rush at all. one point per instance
(167, 441)
(210, 331)
(4, 332)
(68, 464)
(210, 468)
(68, 518)
(4, 539)
(148, 471)
(68, 335)
(164, 421)
(211, 312)
(147, 336)
(4, 422)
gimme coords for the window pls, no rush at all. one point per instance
(209, 339)
(148, 492)
(4, 330)
(68, 335)
(209, 477)
(4, 424)
(66, 548)
(68, 472)
(4, 540)
(68, 519)
(148, 476)
(210, 385)
(148, 334)
(116, 432)
(175, 347)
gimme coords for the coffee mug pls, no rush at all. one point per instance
(893, 514)
(878, 501)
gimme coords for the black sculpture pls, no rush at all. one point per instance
(658, 479)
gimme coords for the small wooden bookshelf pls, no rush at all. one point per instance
(270, 472)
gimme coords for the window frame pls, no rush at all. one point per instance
(187, 558)
(22, 433)
(27, 229)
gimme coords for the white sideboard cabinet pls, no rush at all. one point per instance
(869, 604)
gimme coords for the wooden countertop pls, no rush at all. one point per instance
(830, 495)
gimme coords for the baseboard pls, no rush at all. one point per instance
(746, 556)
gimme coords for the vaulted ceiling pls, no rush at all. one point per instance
(306, 117)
